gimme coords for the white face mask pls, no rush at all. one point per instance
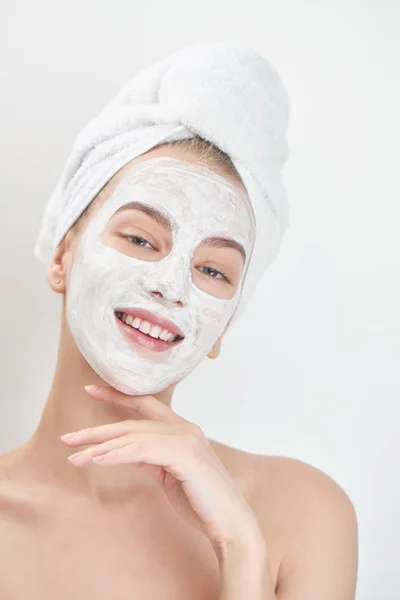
(200, 204)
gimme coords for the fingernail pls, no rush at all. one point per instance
(69, 436)
(73, 456)
(92, 388)
(98, 458)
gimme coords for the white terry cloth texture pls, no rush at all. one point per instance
(228, 94)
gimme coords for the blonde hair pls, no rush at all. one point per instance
(207, 152)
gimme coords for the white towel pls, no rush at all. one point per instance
(228, 94)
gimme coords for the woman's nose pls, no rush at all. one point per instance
(171, 283)
(159, 294)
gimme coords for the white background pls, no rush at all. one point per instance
(312, 370)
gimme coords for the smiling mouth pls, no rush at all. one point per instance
(150, 331)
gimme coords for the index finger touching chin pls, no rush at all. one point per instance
(147, 406)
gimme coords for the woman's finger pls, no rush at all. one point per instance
(154, 449)
(158, 449)
(102, 433)
(82, 458)
(148, 406)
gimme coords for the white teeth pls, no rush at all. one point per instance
(155, 331)
(145, 327)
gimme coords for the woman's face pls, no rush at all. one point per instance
(149, 229)
(171, 243)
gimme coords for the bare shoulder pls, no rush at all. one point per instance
(308, 521)
(284, 489)
(298, 492)
(291, 475)
(287, 480)
(316, 524)
(303, 489)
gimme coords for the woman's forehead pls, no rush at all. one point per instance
(197, 202)
(182, 188)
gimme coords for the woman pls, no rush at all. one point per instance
(166, 513)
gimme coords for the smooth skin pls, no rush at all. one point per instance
(133, 526)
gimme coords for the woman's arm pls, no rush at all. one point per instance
(245, 573)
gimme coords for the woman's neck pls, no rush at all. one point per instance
(69, 408)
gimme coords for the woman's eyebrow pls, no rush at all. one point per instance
(161, 219)
(218, 242)
(153, 213)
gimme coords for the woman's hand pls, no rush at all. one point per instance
(180, 459)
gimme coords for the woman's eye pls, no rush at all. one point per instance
(136, 237)
(138, 241)
(223, 275)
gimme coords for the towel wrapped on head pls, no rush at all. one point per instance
(229, 95)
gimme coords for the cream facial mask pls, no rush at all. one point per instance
(199, 204)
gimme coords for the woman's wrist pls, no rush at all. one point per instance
(245, 572)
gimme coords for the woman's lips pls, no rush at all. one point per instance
(144, 340)
(152, 318)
